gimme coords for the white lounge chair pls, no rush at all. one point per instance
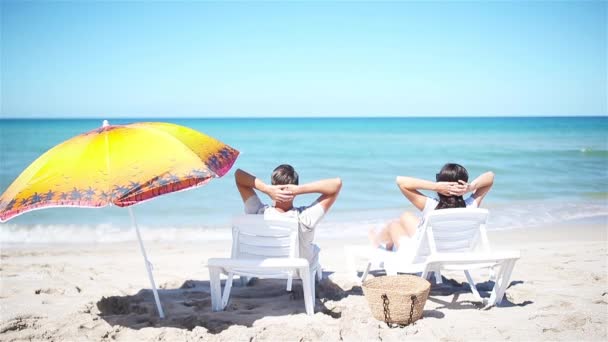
(263, 249)
(450, 239)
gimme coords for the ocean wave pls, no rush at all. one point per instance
(503, 216)
(336, 225)
(593, 152)
(571, 152)
(106, 233)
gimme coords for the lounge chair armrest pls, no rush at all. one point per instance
(473, 257)
(269, 263)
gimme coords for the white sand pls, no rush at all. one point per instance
(559, 291)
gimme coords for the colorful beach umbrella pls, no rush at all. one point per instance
(118, 165)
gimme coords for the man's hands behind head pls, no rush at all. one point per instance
(281, 193)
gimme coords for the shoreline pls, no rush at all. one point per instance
(504, 214)
(329, 229)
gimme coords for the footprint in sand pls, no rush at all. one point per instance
(138, 309)
(243, 306)
(596, 277)
(603, 299)
(113, 305)
(198, 304)
(566, 255)
(560, 304)
(574, 322)
(50, 291)
(189, 322)
(196, 295)
(88, 308)
(560, 323)
(188, 284)
(520, 294)
(169, 285)
(20, 323)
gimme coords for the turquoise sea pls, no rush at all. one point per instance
(548, 170)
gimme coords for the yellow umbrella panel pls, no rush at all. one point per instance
(120, 165)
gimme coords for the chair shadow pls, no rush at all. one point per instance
(455, 288)
(451, 287)
(189, 306)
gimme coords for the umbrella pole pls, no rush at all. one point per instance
(148, 264)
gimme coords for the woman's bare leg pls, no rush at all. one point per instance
(386, 235)
(394, 231)
(409, 222)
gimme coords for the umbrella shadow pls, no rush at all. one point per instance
(189, 306)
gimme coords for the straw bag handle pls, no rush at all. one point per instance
(387, 312)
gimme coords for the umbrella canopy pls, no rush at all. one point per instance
(121, 165)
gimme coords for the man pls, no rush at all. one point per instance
(283, 189)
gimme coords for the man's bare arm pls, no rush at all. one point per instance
(328, 188)
(246, 183)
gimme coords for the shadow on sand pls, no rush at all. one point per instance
(451, 287)
(189, 306)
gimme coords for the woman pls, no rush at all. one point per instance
(451, 184)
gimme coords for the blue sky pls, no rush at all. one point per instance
(240, 59)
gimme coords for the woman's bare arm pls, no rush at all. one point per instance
(409, 186)
(481, 186)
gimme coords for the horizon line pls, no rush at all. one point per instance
(303, 117)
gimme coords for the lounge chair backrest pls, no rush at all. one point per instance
(456, 230)
(253, 237)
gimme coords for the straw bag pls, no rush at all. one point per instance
(397, 299)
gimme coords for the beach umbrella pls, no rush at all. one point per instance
(118, 165)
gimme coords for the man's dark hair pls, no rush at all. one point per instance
(284, 174)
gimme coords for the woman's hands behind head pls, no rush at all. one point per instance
(461, 188)
(452, 188)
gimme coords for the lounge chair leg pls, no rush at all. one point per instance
(507, 278)
(289, 281)
(502, 279)
(426, 274)
(313, 283)
(438, 279)
(492, 274)
(308, 300)
(391, 268)
(473, 285)
(364, 275)
(354, 254)
(497, 280)
(216, 289)
(227, 288)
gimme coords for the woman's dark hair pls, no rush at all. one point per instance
(451, 173)
(284, 174)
